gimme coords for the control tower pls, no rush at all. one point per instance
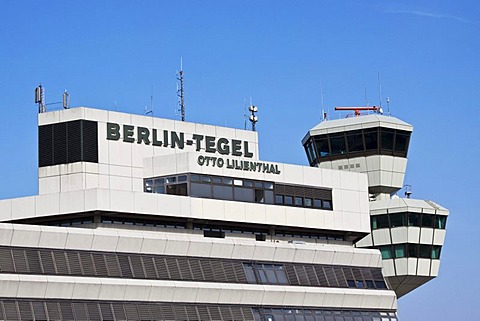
(408, 232)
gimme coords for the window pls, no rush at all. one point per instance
(401, 141)
(400, 251)
(308, 202)
(413, 219)
(337, 143)
(278, 199)
(288, 200)
(386, 252)
(436, 252)
(440, 221)
(388, 136)
(327, 205)
(322, 146)
(397, 219)
(379, 221)
(427, 220)
(317, 203)
(298, 201)
(265, 273)
(355, 141)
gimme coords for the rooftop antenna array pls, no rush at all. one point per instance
(380, 110)
(408, 190)
(181, 91)
(244, 114)
(150, 111)
(253, 118)
(40, 99)
(66, 100)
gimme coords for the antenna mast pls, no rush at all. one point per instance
(40, 99)
(253, 118)
(181, 90)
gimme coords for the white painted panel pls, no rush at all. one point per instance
(72, 202)
(138, 290)
(399, 235)
(381, 237)
(388, 268)
(423, 268)
(435, 267)
(413, 234)
(412, 266)
(26, 235)
(52, 237)
(47, 185)
(32, 286)
(426, 235)
(23, 207)
(401, 266)
(59, 287)
(9, 285)
(112, 288)
(5, 210)
(79, 239)
(439, 237)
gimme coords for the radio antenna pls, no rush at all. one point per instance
(244, 113)
(380, 93)
(253, 118)
(40, 99)
(181, 90)
(150, 111)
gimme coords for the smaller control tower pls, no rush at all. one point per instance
(409, 233)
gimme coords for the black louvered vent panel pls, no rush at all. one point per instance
(214, 313)
(10, 309)
(66, 309)
(311, 275)
(291, 275)
(162, 268)
(173, 269)
(68, 142)
(1, 311)
(39, 310)
(329, 272)
(112, 265)
(203, 312)
(53, 310)
(218, 271)
(377, 274)
(25, 311)
(131, 311)
(118, 311)
(180, 312)
(6, 260)
(240, 272)
(196, 270)
(74, 141)
(60, 143)
(367, 274)
(207, 270)
(90, 141)
(149, 266)
(47, 262)
(191, 312)
(74, 263)
(302, 275)
(45, 145)
(144, 312)
(125, 266)
(322, 278)
(167, 312)
(61, 262)
(79, 311)
(20, 261)
(357, 274)
(303, 191)
(156, 311)
(184, 268)
(342, 282)
(92, 310)
(136, 264)
(225, 313)
(106, 311)
(33, 261)
(100, 266)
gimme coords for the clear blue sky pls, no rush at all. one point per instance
(281, 53)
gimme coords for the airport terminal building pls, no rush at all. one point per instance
(143, 218)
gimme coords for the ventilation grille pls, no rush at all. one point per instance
(68, 142)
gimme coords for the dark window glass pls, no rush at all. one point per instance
(298, 201)
(206, 179)
(194, 178)
(268, 197)
(182, 178)
(243, 194)
(322, 146)
(386, 252)
(248, 183)
(177, 189)
(201, 190)
(380, 284)
(425, 251)
(401, 141)
(308, 202)
(400, 251)
(360, 284)
(413, 219)
(412, 250)
(379, 221)
(436, 252)
(159, 189)
(222, 192)
(327, 205)
(288, 200)
(337, 142)
(387, 138)
(267, 185)
(317, 203)
(371, 139)
(259, 196)
(355, 141)
(370, 284)
(397, 219)
(227, 181)
(440, 221)
(278, 199)
(159, 181)
(427, 220)
(170, 180)
(216, 180)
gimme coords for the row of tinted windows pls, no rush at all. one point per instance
(289, 314)
(242, 190)
(378, 140)
(408, 219)
(397, 251)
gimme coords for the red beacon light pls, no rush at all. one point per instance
(357, 110)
